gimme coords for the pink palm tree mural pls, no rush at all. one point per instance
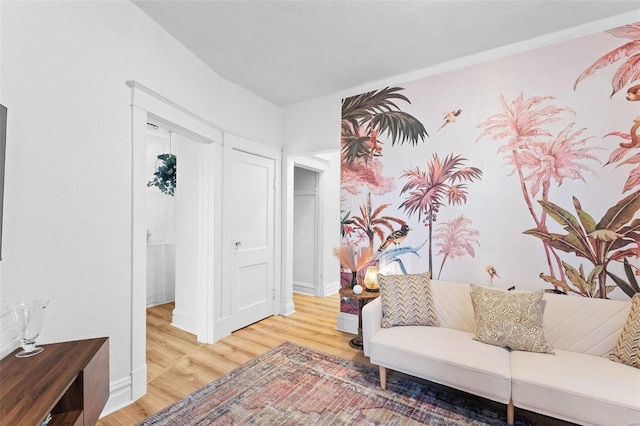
(537, 157)
(441, 184)
(628, 72)
(372, 222)
(455, 238)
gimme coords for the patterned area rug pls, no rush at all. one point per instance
(293, 385)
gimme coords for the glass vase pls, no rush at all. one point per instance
(354, 279)
(28, 317)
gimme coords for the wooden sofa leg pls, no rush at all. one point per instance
(510, 413)
(383, 377)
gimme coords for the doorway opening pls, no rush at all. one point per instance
(161, 225)
(306, 231)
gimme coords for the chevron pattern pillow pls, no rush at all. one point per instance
(407, 300)
(511, 320)
(627, 351)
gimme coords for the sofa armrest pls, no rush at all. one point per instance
(371, 322)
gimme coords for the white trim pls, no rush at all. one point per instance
(188, 122)
(304, 288)
(242, 144)
(184, 322)
(319, 166)
(330, 288)
(119, 396)
(138, 245)
(147, 104)
(347, 323)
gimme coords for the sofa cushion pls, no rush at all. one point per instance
(583, 324)
(406, 300)
(446, 356)
(576, 387)
(452, 301)
(627, 351)
(512, 320)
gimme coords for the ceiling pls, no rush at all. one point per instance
(291, 51)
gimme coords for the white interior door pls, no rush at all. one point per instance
(252, 234)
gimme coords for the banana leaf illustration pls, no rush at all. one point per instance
(613, 238)
(630, 288)
(389, 256)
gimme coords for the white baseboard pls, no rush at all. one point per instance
(287, 308)
(119, 396)
(331, 288)
(155, 301)
(139, 382)
(326, 290)
(126, 391)
(303, 288)
(347, 323)
(184, 322)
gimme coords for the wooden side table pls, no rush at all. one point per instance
(362, 298)
(70, 380)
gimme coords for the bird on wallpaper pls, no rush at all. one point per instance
(492, 273)
(375, 150)
(396, 237)
(450, 117)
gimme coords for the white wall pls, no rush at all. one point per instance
(314, 126)
(68, 182)
(185, 314)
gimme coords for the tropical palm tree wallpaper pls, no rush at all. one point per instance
(527, 165)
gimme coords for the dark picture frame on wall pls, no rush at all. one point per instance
(3, 147)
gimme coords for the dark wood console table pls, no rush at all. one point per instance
(70, 380)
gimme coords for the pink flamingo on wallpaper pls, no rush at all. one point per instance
(537, 157)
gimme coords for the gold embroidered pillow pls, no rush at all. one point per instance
(627, 351)
(406, 300)
(512, 320)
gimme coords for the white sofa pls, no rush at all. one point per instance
(578, 383)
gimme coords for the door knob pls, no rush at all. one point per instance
(238, 244)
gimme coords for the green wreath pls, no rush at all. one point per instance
(165, 175)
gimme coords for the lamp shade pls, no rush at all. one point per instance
(371, 279)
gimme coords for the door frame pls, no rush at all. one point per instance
(318, 228)
(145, 105)
(311, 162)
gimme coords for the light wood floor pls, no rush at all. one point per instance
(178, 365)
